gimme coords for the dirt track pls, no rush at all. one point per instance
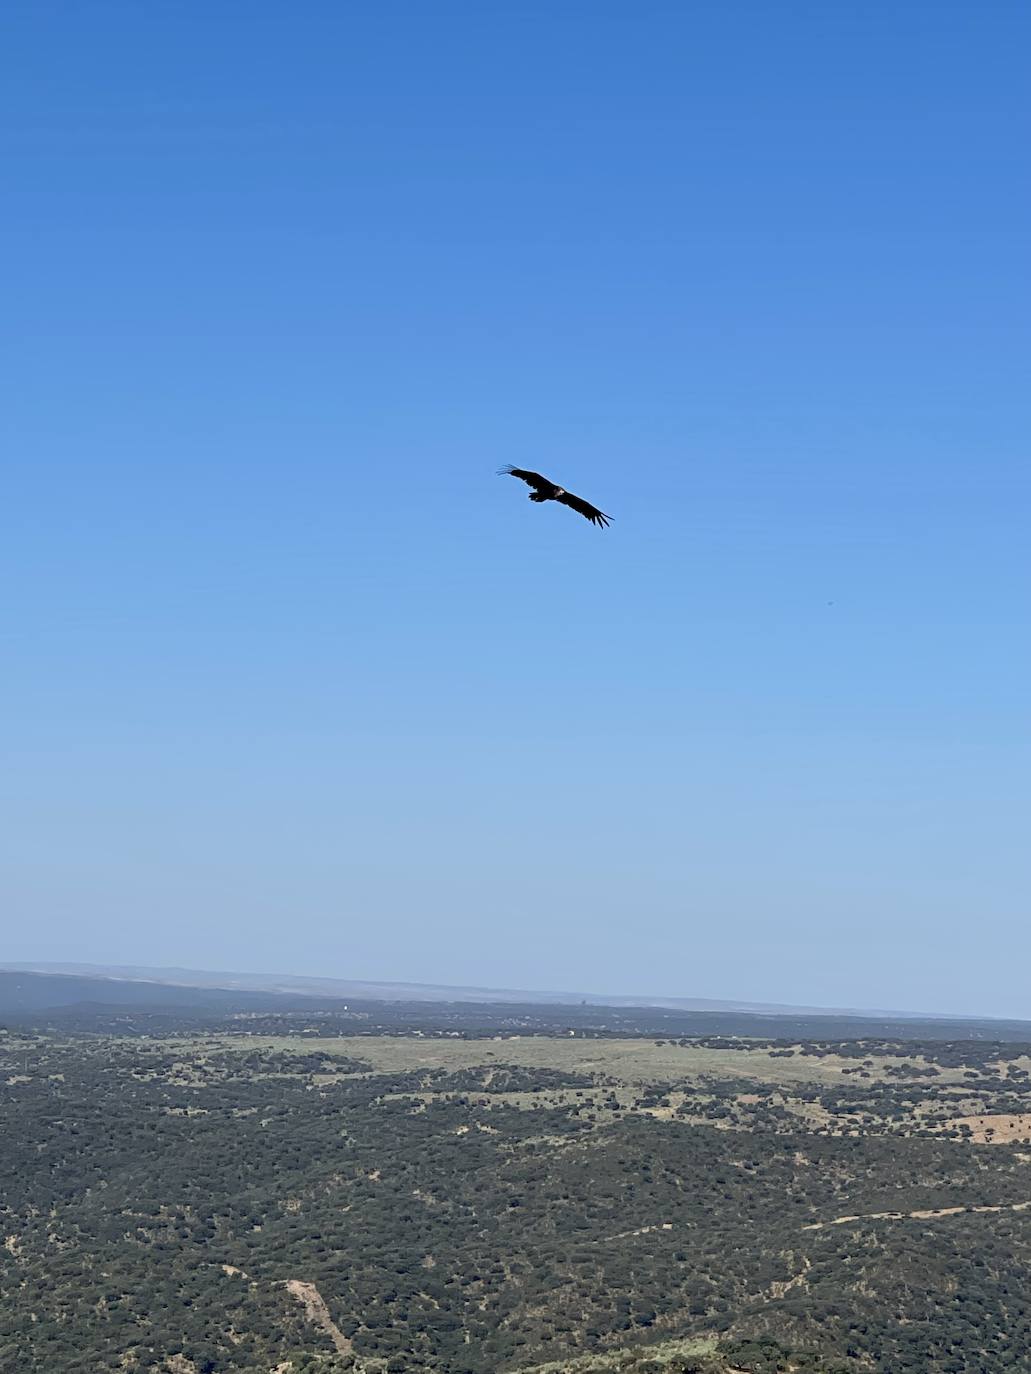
(317, 1312)
(917, 1216)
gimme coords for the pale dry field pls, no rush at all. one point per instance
(635, 1063)
(996, 1129)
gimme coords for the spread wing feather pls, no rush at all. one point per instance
(532, 479)
(550, 492)
(584, 508)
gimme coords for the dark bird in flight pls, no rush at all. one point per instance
(545, 490)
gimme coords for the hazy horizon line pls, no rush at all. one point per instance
(324, 984)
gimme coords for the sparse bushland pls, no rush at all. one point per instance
(465, 1208)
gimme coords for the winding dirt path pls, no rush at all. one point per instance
(917, 1216)
(640, 1231)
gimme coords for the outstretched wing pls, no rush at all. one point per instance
(584, 508)
(532, 479)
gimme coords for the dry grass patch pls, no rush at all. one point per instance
(994, 1130)
(632, 1062)
(663, 1352)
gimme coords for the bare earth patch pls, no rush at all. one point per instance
(995, 1130)
(317, 1312)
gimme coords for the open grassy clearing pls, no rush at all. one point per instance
(810, 1114)
(1000, 1129)
(689, 1084)
(617, 1360)
(632, 1062)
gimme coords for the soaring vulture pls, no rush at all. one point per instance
(545, 490)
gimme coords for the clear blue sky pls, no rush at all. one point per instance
(291, 681)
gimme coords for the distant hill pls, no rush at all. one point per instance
(293, 985)
(24, 992)
(130, 1003)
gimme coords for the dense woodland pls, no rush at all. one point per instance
(158, 1195)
